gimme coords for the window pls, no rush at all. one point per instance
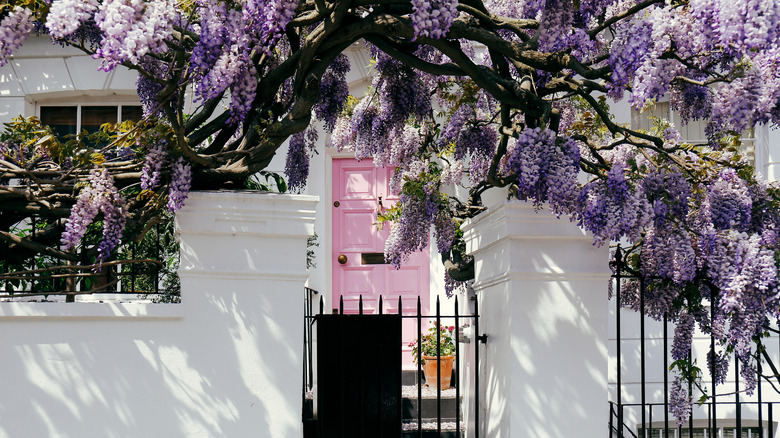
(70, 119)
(692, 132)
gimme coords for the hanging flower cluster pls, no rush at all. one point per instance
(98, 196)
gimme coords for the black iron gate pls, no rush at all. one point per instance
(353, 377)
(358, 375)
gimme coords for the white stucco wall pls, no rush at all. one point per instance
(227, 362)
(540, 284)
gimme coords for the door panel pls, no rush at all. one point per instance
(357, 188)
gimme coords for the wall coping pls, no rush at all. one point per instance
(518, 220)
(247, 213)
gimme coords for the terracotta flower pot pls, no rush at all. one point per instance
(429, 368)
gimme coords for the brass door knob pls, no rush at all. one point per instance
(342, 259)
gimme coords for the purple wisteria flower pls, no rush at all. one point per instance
(66, 16)
(100, 195)
(14, 29)
(155, 159)
(433, 18)
(333, 92)
(133, 28)
(181, 178)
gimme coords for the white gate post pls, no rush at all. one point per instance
(243, 268)
(542, 290)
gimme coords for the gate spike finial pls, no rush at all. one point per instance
(341, 305)
(380, 304)
(360, 304)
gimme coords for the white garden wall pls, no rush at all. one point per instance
(227, 362)
(541, 287)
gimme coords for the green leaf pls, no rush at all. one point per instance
(97, 158)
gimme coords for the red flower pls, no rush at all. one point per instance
(451, 328)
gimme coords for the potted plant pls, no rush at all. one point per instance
(430, 356)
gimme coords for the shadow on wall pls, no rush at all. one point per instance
(542, 287)
(200, 375)
(555, 365)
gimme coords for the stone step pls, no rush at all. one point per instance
(410, 406)
(408, 377)
(428, 404)
(430, 430)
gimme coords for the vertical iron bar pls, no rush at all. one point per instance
(760, 405)
(770, 419)
(618, 272)
(7, 282)
(306, 314)
(643, 389)
(457, 368)
(57, 283)
(477, 425)
(736, 393)
(64, 282)
(305, 385)
(419, 363)
(362, 379)
(381, 387)
(438, 366)
(650, 421)
(157, 257)
(32, 258)
(712, 349)
(690, 391)
(309, 323)
(611, 416)
(132, 267)
(620, 420)
(666, 375)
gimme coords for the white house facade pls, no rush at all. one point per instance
(551, 345)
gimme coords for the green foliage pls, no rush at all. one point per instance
(429, 345)
(272, 182)
(162, 284)
(588, 122)
(311, 242)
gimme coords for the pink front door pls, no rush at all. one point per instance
(357, 189)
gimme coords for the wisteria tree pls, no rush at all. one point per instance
(511, 94)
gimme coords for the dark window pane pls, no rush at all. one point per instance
(62, 119)
(94, 116)
(134, 113)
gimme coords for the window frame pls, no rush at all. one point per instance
(117, 101)
(748, 138)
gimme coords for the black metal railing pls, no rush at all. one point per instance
(308, 348)
(705, 426)
(137, 269)
(459, 319)
(653, 419)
